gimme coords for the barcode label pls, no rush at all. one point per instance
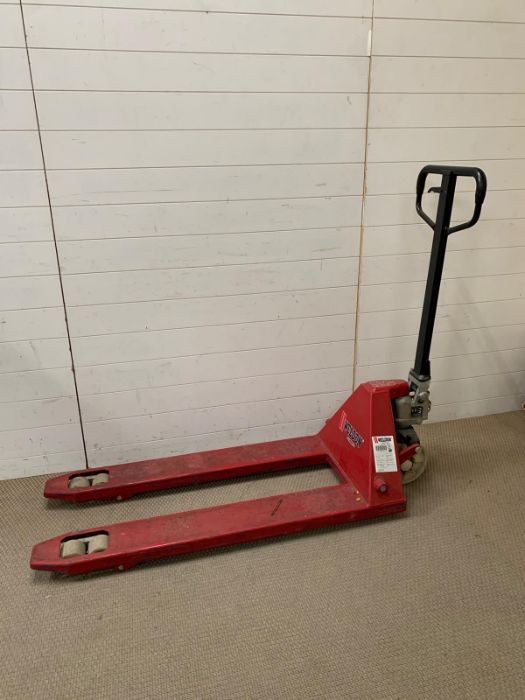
(384, 453)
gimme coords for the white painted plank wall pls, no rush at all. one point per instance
(205, 162)
(205, 168)
(39, 421)
(445, 90)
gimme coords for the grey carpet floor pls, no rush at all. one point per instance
(429, 604)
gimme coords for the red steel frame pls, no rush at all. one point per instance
(345, 444)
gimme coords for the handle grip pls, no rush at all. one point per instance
(452, 171)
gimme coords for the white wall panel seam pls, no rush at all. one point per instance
(75, 420)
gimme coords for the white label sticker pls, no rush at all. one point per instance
(384, 453)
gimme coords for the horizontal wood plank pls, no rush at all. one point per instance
(400, 178)
(339, 8)
(399, 74)
(258, 282)
(152, 72)
(26, 259)
(196, 218)
(128, 149)
(17, 415)
(417, 238)
(146, 30)
(412, 37)
(17, 109)
(33, 354)
(417, 110)
(32, 324)
(188, 313)
(188, 370)
(11, 27)
(151, 185)
(211, 441)
(501, 11)
(383, 210)
(29, 292)
(108, 349)
(25, 224)
(33, 442)
(459, 264)
(59, 110)
(20, 150)
(207, 251)
(40, 384)
(24, 188)
(481, 407)
(387, 145)
(455, 367)
(18, 467)
(15, 70)
(164, 399)
(180, 424)
(481, 340)
(458, 317)
(408, 295)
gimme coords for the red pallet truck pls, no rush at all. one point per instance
(370, 443)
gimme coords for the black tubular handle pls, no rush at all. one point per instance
(455, 171)
(442, 229)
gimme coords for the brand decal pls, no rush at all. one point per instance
(353, 437)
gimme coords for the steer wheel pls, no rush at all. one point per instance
(412, 468)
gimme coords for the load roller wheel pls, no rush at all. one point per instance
(98, 479)
(72, 548)
(79, 482)
(99, 543)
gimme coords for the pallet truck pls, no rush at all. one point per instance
(370, 443)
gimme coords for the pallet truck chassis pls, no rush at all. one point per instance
(370, 444)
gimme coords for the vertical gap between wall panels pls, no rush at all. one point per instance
(54, 238)
(363, 198)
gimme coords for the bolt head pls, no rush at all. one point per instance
(380, 485)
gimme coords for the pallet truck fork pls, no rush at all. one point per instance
(370, 443)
